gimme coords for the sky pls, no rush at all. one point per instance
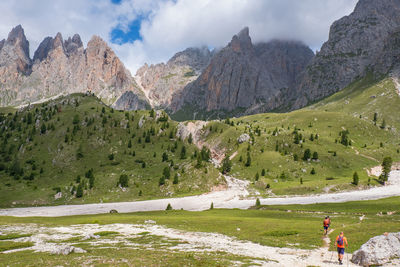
(152, 31)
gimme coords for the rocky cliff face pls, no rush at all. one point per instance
(356, 44)
(243, 78)
(61, 67)
(161, 81)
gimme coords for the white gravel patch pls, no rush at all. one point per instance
(190, 242)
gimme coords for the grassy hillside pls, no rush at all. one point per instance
(77, 142)
(278, 141)
(52, 147)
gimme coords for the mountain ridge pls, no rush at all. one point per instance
(246, 77)
(62, 67)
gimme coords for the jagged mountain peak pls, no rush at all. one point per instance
(243, 78)
(194, 57)
(17, 33)
(17, 37)
(44, 47)
(96, 40)
(14, 53)
(73, 44)
(48, 44)
(58, 41)
(241, 41)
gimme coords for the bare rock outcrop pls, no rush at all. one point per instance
(243, 78)
(14, 54)
(61, 67)
(161, 81)
(130, 101)
(355, 46)
(378, 250)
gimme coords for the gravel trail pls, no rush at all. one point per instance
(235, 196)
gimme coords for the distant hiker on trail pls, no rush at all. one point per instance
(340, 242)
(327, 223)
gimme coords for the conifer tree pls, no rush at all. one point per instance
(355, 178)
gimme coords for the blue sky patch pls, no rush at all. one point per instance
(116, 2)
(118, 36)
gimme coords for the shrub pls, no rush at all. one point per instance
(91, 182)
(164, 157)
(226, 165)
(75, 120)
(344, 140)
(43, 129)
(57, 189)
(169, 207)
(257, 176)
(79, 153)
(312, 171)
(123, 180)
(167, 173)
(183, 152)
(111, 156)
(307, 154)
(263, 172)
(161, 181)
(176, 179)
(212, 206)
(248, 160)
(89, 173)
(79, 191)
(258, 203)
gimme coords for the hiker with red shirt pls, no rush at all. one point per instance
(327, 223)
(341, 242)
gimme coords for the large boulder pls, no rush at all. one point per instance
(378, 250)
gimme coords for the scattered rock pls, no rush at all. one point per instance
(90, 236)
(141, 122)
(65, 250)
(378, 250)
(58, 195)
(243, 138)
(150, 222)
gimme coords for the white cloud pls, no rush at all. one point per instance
(174, 25)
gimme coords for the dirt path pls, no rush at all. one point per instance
(235, 196)
(42, 238)
(396, 84)
(365, 156)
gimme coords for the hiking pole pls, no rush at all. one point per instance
(330, 261)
